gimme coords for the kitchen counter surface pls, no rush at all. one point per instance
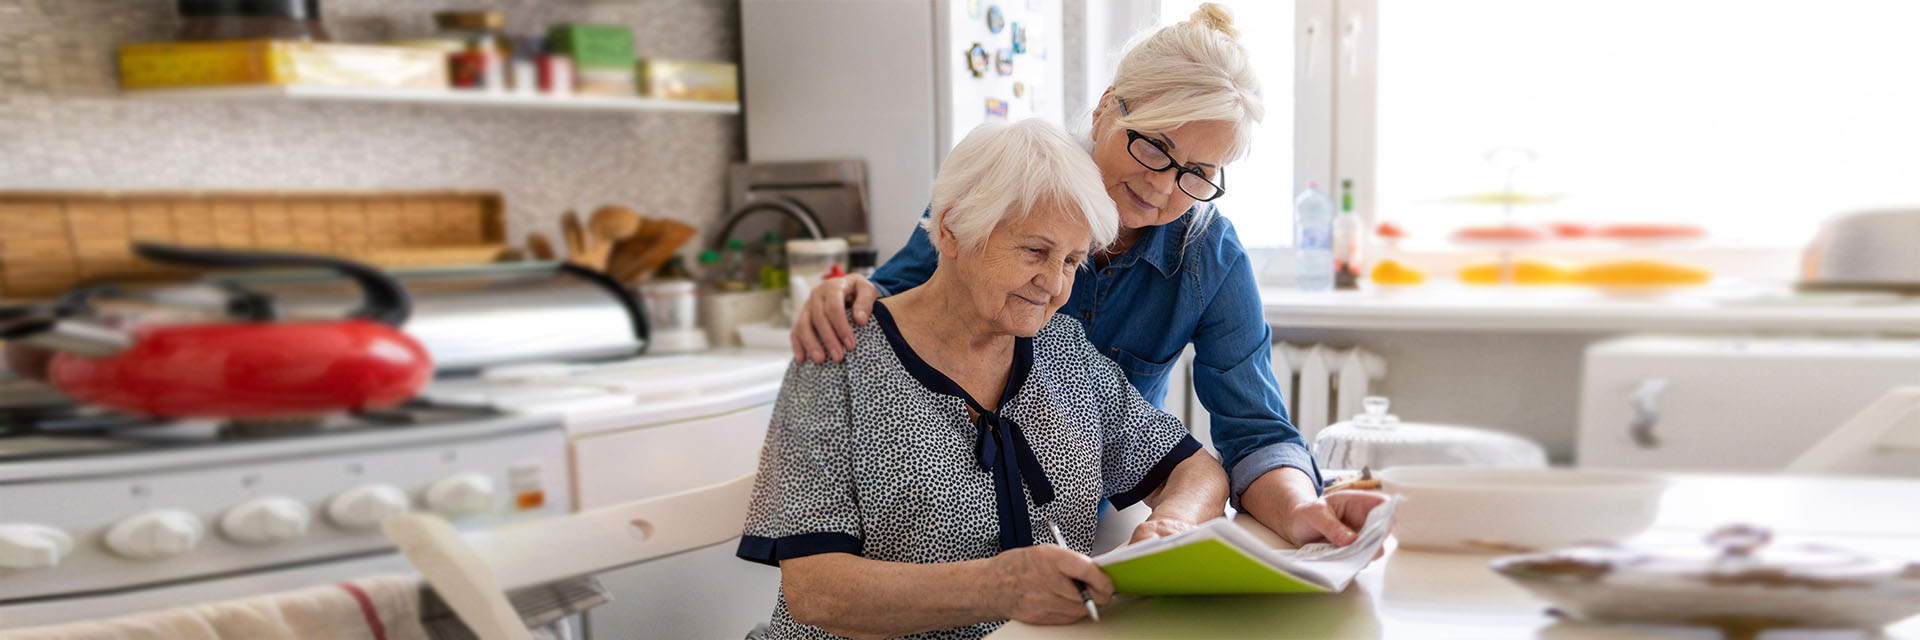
(1445, 595)
(1449, 307)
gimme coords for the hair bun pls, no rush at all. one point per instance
(1215, 17)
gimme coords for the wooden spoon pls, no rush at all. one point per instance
(673, 233)
(613, 223)
(539, 246)
(627, 253)
(578, 251)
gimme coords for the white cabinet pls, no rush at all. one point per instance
(659, 459)
(1728, 403)
(671, 440)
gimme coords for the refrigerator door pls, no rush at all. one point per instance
(846, 79)
(1728, 403)
(887, 82)
(1023, 76)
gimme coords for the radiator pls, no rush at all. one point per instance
(1324, 384)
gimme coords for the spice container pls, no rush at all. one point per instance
(483, 63)
(808, 264)
(673, 309)
(477, 68)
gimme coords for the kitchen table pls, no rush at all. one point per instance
(1427, 595)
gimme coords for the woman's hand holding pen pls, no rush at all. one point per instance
(1039, 588)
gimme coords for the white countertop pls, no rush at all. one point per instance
(1444, 595)
(1454, 307)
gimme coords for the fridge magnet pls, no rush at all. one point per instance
(996, 21)
(977, 60)
(1019, 89)
(996, 108)
(973, 9)
(1019, 38)
(1003, 62)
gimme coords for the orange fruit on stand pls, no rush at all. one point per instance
(1394, 273)
(1525, 272)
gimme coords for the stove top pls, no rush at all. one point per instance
(41, 428)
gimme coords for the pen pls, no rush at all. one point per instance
(1084, 596)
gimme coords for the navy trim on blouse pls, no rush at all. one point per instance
(1158, 474)
(771, 551)
(1000, 445)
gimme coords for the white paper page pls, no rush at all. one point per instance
(1321, 563)
(1329, 565)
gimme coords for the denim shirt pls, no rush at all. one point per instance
(1147, 305)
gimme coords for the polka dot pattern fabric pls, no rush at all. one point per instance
(862, 458)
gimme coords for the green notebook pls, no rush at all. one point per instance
(1241, 556)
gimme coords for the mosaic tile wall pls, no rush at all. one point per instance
(63, 124)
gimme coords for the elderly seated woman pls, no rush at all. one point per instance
(911, 489)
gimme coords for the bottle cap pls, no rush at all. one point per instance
(834, 272)
(770, 237)
(735, 244)
(709, 257)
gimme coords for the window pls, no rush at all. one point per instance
(1260, 206)
(1753, 120)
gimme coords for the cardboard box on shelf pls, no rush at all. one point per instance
(165, 65)
(689, 80)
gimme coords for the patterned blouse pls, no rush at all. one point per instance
(878, 457)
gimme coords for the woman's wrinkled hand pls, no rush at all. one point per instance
(1160, 527)
(821, 329)
(1039, 584)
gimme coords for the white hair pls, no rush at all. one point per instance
(1001, 172)
(1189, 72)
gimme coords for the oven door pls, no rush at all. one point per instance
(61, 609)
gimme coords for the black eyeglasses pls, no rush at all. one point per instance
(1155, 158)
(1148, 152)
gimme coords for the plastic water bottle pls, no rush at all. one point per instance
(1313, 240)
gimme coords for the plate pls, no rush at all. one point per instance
(1741, 584)
(1516, 508)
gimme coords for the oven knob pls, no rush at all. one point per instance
(266, 520)
(156, 534)
(461, 495)
(363, 507)
(31, 546)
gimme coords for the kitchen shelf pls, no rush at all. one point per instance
(436, 96)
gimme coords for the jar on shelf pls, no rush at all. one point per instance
(482, 30)
(251, 20)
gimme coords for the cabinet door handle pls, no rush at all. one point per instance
(1646, 412)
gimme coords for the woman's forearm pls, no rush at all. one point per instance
(1196, 491)
(856, 597)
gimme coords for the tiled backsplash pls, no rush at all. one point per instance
(64, 125)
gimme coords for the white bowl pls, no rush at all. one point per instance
(1487, 509)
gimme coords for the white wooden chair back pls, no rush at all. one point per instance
(473, 571)
(1883, 439)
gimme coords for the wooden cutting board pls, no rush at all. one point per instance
(50, 241)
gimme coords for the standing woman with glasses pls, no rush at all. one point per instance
(1182, 105)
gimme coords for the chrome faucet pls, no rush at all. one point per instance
(788, 206)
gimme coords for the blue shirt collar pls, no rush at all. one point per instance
(1160, 246)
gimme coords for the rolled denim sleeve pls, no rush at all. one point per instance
(910, 267)
(1233, 377)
